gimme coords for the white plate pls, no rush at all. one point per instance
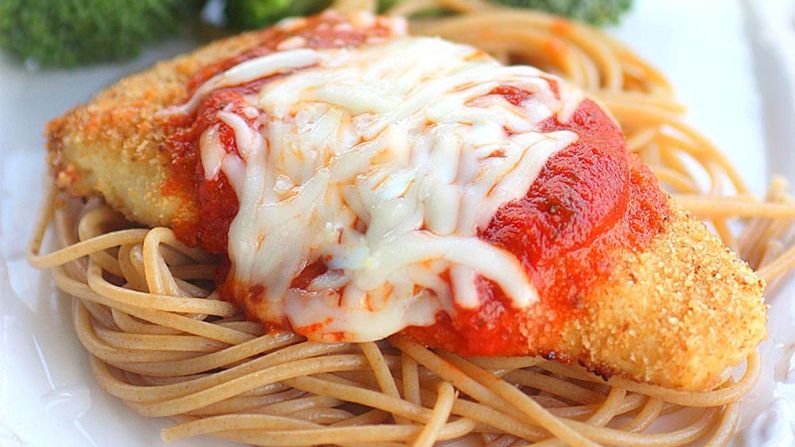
(739, 95)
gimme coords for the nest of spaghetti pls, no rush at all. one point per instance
(160, 340)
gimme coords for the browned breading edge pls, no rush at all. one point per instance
(677, 314)
(114, 145)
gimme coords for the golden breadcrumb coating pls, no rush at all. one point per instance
(114, 145)
(677, 314)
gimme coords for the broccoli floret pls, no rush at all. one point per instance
(384, 5)
(71, 32)
(249, 14)
(596, 12)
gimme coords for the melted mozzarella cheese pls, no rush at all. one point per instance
(259, 67)
(382, 162)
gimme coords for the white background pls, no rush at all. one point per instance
(731, 61)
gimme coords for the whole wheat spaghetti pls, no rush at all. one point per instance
(162, 341)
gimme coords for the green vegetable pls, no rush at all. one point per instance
(71, 32)
(384, 5)
(248, 14)
(596, 12)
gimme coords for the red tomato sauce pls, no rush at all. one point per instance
(591, 202)
(215, 203)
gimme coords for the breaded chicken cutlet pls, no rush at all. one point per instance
(575, 255)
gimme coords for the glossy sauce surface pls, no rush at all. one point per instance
(215, 200)
(591, 202)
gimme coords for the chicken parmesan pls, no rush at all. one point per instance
(359, 182)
